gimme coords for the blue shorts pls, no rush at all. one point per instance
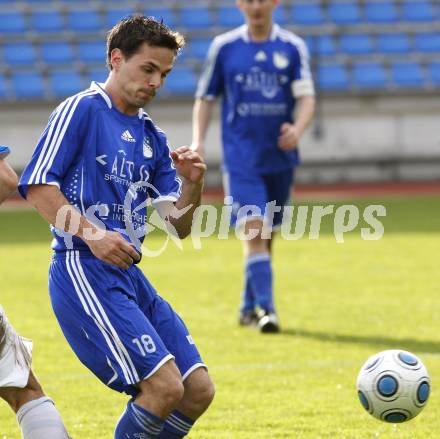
(256, 191)
(115, 322)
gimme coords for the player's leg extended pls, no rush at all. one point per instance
(37, 416)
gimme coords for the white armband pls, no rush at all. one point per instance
(303, 87)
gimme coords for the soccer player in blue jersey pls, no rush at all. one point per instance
(36, 414)
(262, 71)
(98, 162)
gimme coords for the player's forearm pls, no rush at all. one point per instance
(202, 114)
(8, 180)
(191, 196)
(54, 207)
(305, 113)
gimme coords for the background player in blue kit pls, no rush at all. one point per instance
(36, 414)
(100, 159)
(263, 73)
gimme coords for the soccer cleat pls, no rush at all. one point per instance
(268, 322)
(9, 339)
(248, 318)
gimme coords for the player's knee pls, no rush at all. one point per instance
(200, 390)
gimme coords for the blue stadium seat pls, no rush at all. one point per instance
(165, 14)
(181, 81)
(92, 51)
(434, 72)
(229, 16)
(27, 85)
(369, 75)
(57, 52)
(325, 45)
(199, 47)
(407, 75)
(333, 77)
(196, 17)
(279, 16)
(393, 43)
(418, 11)
(64, 83)
(84, 21)
(112, 16)
(47, 21)
(427, 42)
(307, 14)
(98, 74)
(19, 53)
(356, 44)
(382, 12)
(345, 12)
(12, 22)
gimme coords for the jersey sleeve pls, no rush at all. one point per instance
(166, 183)
(302, 84)
(4, 152)
(57, 148)
(211, 81)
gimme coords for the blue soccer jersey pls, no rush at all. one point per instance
(106, 163)
(259, 82)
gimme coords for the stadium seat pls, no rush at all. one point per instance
(383, 12)
(346, 12)
(57, 52)
(47, 21)
(112, 16)
(19, 53)
(407, 75)
(325, 45)
(98, 74)
(307, 14)
(92, 51)
(229, 17)
(279, 16)
(196, 17)
(333, 77)
(418, 11)
(434, 73)
(200, 47)
(64, 83)
(84, 21)
(369, 75)
(181, 81)
(356, 44)
(427, 42)
(165, 14)
(28, 85)
(393, 43)
(12, 22)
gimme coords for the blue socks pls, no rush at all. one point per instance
(247, 297)
(259, 272)
(176, 426)
(137, 422)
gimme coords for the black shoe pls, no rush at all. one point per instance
(248, 318)
(268, 322)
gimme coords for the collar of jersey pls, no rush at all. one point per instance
(99, 87)
(273, 34)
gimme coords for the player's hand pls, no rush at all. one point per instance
(189, 164)
(289, 137)
(114, 249)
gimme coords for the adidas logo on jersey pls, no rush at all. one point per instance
(127, 136)
(260, 56)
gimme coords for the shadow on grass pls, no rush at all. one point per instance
(409, 344)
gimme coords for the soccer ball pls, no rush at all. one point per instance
(393, 386)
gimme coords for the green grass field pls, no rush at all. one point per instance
(338, 304)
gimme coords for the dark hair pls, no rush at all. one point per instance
(131, 32)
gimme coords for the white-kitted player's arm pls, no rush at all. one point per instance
(8, 177)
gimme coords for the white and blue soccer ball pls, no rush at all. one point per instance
(393, 386)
